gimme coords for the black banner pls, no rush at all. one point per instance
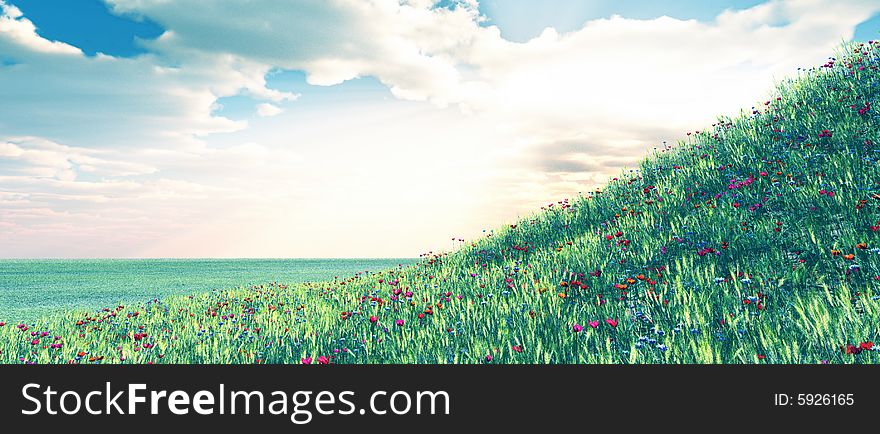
(435, 398)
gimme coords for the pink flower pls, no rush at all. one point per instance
(306, 361)
(489, 358)
(323, 360)
(577, 328)
(594, 324)
(399, 323)
(612, 322)
(374, 319)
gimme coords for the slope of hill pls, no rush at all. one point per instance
(754, 241)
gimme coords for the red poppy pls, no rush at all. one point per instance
(852, 349)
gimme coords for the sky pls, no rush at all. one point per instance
(358, 128)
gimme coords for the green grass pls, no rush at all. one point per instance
(749, 242)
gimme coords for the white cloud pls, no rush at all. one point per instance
(53, 90)
(268, 110)
(616, 77)
(404, 44)
(13, 26)
(613, 75)
(44, 158)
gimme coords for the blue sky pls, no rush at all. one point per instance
(89, 25)
(315, 128)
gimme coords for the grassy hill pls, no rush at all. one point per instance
(753, 241)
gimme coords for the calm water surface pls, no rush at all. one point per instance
(32, 287)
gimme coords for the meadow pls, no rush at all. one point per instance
(755, 240)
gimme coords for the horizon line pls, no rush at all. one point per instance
(200, 258)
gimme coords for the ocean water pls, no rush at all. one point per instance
(30, 288)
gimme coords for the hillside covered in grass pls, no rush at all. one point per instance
(754, 241)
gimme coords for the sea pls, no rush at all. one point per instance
(30, 288)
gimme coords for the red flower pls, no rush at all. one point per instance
(612, 322)
(323, 360)
(866, 345)
(517, 348)
(852, 349)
